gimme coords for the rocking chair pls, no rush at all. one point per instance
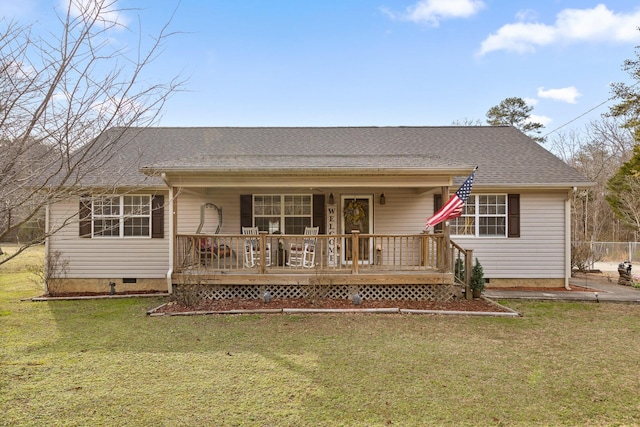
(252, 248)
(304, 255)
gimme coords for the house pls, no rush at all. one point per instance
(172, 207)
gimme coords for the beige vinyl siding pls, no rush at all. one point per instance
(188, 211)
(107, 257)
(405, 212)
(539, 252)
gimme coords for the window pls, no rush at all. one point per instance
(482, 215)
(121, 216)
(286, 214)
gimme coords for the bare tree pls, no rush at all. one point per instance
(597, 153)
(66, 101)
(467, 122)
(617, 146)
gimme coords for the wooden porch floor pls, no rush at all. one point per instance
(284, 276)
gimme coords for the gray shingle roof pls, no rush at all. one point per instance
(505, 156)
(267, 162)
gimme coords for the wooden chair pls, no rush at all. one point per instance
(252, 248)
(303, 254)
(213, 254)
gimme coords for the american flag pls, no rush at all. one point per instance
(453, 208)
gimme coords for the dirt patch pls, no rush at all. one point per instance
(481, 305)
(606, 277)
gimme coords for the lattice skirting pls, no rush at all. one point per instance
(441, 293)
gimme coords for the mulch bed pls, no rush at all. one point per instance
(239, 304)
(235, 304)
(480, 305)
(101, 294)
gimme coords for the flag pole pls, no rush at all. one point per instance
(453, 207)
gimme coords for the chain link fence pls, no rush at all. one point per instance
(611, 252)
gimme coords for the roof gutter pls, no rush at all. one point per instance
(538, 186)
(151, 171)
(567, 239)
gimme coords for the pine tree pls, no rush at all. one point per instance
(623, 192)
(477, 277)
(515, 112)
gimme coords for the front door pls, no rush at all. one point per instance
(357, 215)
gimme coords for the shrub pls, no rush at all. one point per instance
(477, 277)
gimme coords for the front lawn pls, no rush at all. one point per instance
(104, 362)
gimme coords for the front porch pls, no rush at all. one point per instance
(415, 267)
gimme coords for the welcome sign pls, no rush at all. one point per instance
(332, 230)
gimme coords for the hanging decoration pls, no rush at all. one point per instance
(354, 212)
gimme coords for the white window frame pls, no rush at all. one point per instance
(472, 209)
(282, 213)
(121, 217)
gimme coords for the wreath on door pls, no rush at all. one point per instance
(354, 211)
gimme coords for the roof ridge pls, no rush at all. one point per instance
(326, 127)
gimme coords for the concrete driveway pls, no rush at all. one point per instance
(603, 287)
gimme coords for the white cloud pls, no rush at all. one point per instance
(119, 107)
(520, 37)
(433, 11)
(571, 26)
(530, 101)
(565, 94)
(60, 97)
(526, 15)
(544, 120)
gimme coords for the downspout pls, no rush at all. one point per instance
(171, 233)
(47, 218)
(567, 240)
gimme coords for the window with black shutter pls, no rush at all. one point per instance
(283, 213)
(131, 215)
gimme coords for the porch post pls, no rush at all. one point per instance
(425, 249)
(446, 259)
(355, 248)
(263, 247)
(468, 269)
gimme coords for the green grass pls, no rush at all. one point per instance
(103, 362)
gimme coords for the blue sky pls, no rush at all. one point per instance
(379, 62)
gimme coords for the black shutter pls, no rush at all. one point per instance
(157, 217)
(246, 211)
(437, 204)
(513, 219)
(84, 216)
(319, 213)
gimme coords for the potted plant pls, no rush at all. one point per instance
(477, 280)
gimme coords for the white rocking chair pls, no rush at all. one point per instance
(304, 255)
(252, 248)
